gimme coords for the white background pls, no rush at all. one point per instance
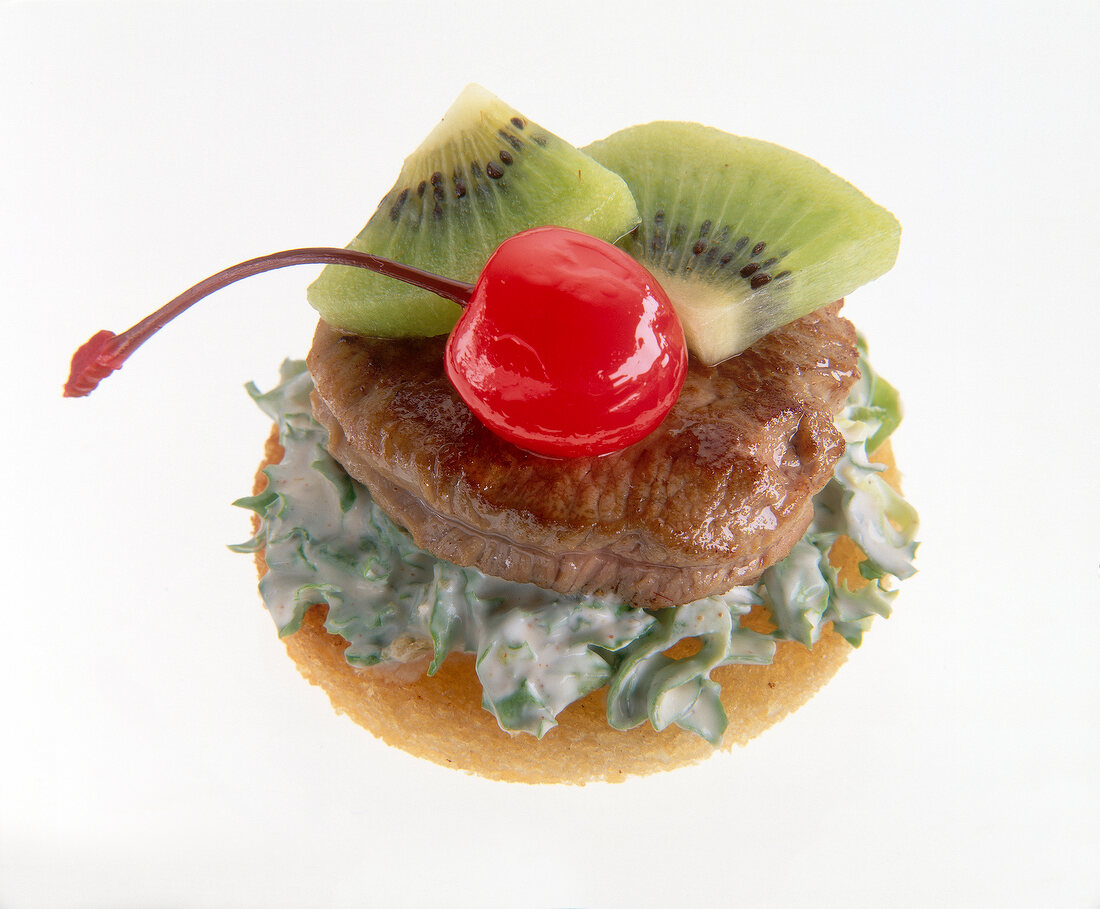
(159, 750)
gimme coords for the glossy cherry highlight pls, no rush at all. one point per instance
(568, 346)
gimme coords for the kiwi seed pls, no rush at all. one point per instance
(512, 140)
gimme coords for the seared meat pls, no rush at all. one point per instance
(720, 491)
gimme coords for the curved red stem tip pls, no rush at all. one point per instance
(94, 361)
(105, 351)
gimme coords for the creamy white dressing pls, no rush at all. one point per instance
(326, 541)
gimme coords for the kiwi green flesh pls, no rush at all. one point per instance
(485, 173)
(744, 235)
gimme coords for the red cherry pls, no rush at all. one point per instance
(568, 346)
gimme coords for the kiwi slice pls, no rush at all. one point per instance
(485, 173)
(745, 236)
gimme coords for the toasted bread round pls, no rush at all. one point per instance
(441, 718)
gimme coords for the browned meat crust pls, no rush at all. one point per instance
(720, 491)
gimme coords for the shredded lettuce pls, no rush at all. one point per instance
(649, 685)
(537, 651)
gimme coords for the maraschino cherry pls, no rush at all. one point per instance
(566, 345)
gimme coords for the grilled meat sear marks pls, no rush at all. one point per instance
(720, 491)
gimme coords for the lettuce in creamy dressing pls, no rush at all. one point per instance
(537, 651)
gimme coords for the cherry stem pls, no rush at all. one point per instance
(105, 351)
